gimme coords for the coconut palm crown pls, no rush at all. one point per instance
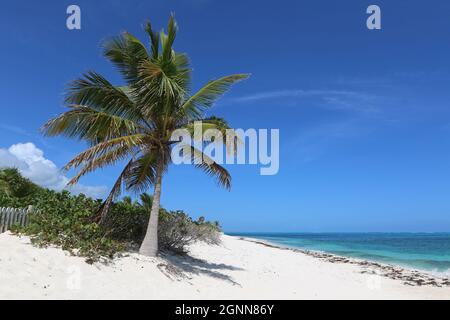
(134, 123)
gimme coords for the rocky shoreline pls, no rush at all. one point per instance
(407, 276)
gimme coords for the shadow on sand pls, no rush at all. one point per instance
(180, 267)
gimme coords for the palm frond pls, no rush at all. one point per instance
(183, 71)
(126, 52)
(114, 193)
(229, 138)
(129, 143)
(209, 166)
(146, 201)
(168, 40)
(89, 124)
(157, 87)
(95, 91)
(208, 123)
(142, 173)
(206, 96)
(109, 158)
(154, 40)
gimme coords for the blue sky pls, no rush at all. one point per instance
(364, 116)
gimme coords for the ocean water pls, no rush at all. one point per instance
(423, 251)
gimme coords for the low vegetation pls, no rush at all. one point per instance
(66, 220)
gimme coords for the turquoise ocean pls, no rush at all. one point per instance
(424, 251)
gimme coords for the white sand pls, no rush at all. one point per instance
(236, 270)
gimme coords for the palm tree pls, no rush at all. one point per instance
(13, 184)
(5, 188)
(135, 122)
(146, 201)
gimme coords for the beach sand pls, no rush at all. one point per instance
(238, 269)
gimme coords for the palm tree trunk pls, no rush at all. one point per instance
(149, 246)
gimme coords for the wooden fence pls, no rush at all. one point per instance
(12, 216)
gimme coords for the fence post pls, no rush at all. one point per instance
(12, 216)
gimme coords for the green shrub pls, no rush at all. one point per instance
(127, 221)
(64, 220)
(14, 185)
(176, 230)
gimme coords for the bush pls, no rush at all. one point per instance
(12, 184)
(127, 221)
(177, 231)
(64, 220)
(17, 191)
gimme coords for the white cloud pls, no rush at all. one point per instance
(340, 100)
(294, 94)
(33, 165)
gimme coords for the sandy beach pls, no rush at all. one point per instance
(238, 269)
